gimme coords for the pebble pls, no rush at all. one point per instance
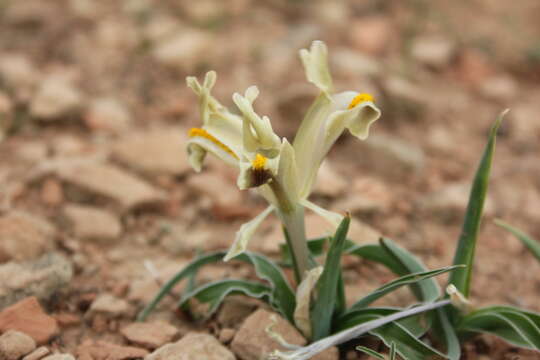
(154, 152)
(502, 88)
(52, 193)
(371, 34)
(27, 316)
(15, 344)
(234, 310)
(193, 346)
(102, 350)
(329, 181)
(55, 98)
(226, 335)
(59, 357)
(434, 51)
(41, 278)
(24, 236)
(149, 335)
(251, 342)
(38, 353)
(109, 305)
(111, 182)
(18, 74)
(221, 191)
(93, 223)
(107, 114)
(183, 51)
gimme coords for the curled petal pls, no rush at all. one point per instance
(303, 299)
(315, 61)
(287, 173)
(246, 233)
(257, 132)
(196, 155)
(330, 216)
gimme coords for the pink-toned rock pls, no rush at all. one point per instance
(220, 190)
(107, 114)
(92, 223)
(52, 193)
(18, 74)
(56, 97)
(60, 357)
(156, 152)
(193, 346)
(251, 342)
(149, 335)
(28, 317)
(24, 236)
(111, 182)
(184, 50)
(329, 181)
(371, 34)
(433, 51)
(102, 350)
(38, 353)
(15, 344)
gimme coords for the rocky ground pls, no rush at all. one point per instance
(98, 205)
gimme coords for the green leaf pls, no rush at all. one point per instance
(392, 354)
(518, 327)
(282, 296)
(327, 286)
(370, 352)
(532, 244)
(186, 272)
(461, 278)
(406, 342)
(397, 283)
(446, 334)
(215, 292)
(316, 248)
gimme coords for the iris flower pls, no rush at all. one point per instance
(283, 173)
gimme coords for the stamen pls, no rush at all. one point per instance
(259, 162)
(360, 98)
(198, 132)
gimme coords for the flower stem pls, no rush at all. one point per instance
(296, 239)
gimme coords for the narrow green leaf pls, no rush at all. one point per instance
(283, 298)
(464, 254)
(392, 354)
(532, 244)
(370, 352)
(406, 344)
(397, 283)
(518, 327)
(182, 274)
(215, 292)
(446, 334)
(327, 286)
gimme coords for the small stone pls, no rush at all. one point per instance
(501, 88)
(436, 52)
(109, 305)
(56, 97)
(19, 75)
(51, 192)
(111, 182)
(408, 93)
(102, 350)
(27, 316)
(24, 236)
(15, 344)
(193, 346)
(184, 50)
(474, 66)
(251, 342)
(349, 62)
(329, 181)
(149, 335)
(226, 335)
(41, 278)
(371, 34)
(155, 152)
(59, 357)
(93, 223)
(32, 151)
(234, 310)
(37, 354)
(107, 114)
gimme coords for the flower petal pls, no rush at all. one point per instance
(246, 233)
(287, 173)
(302, 318)
(330, 216)
(315, 61)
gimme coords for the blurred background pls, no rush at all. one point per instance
(94, 113)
